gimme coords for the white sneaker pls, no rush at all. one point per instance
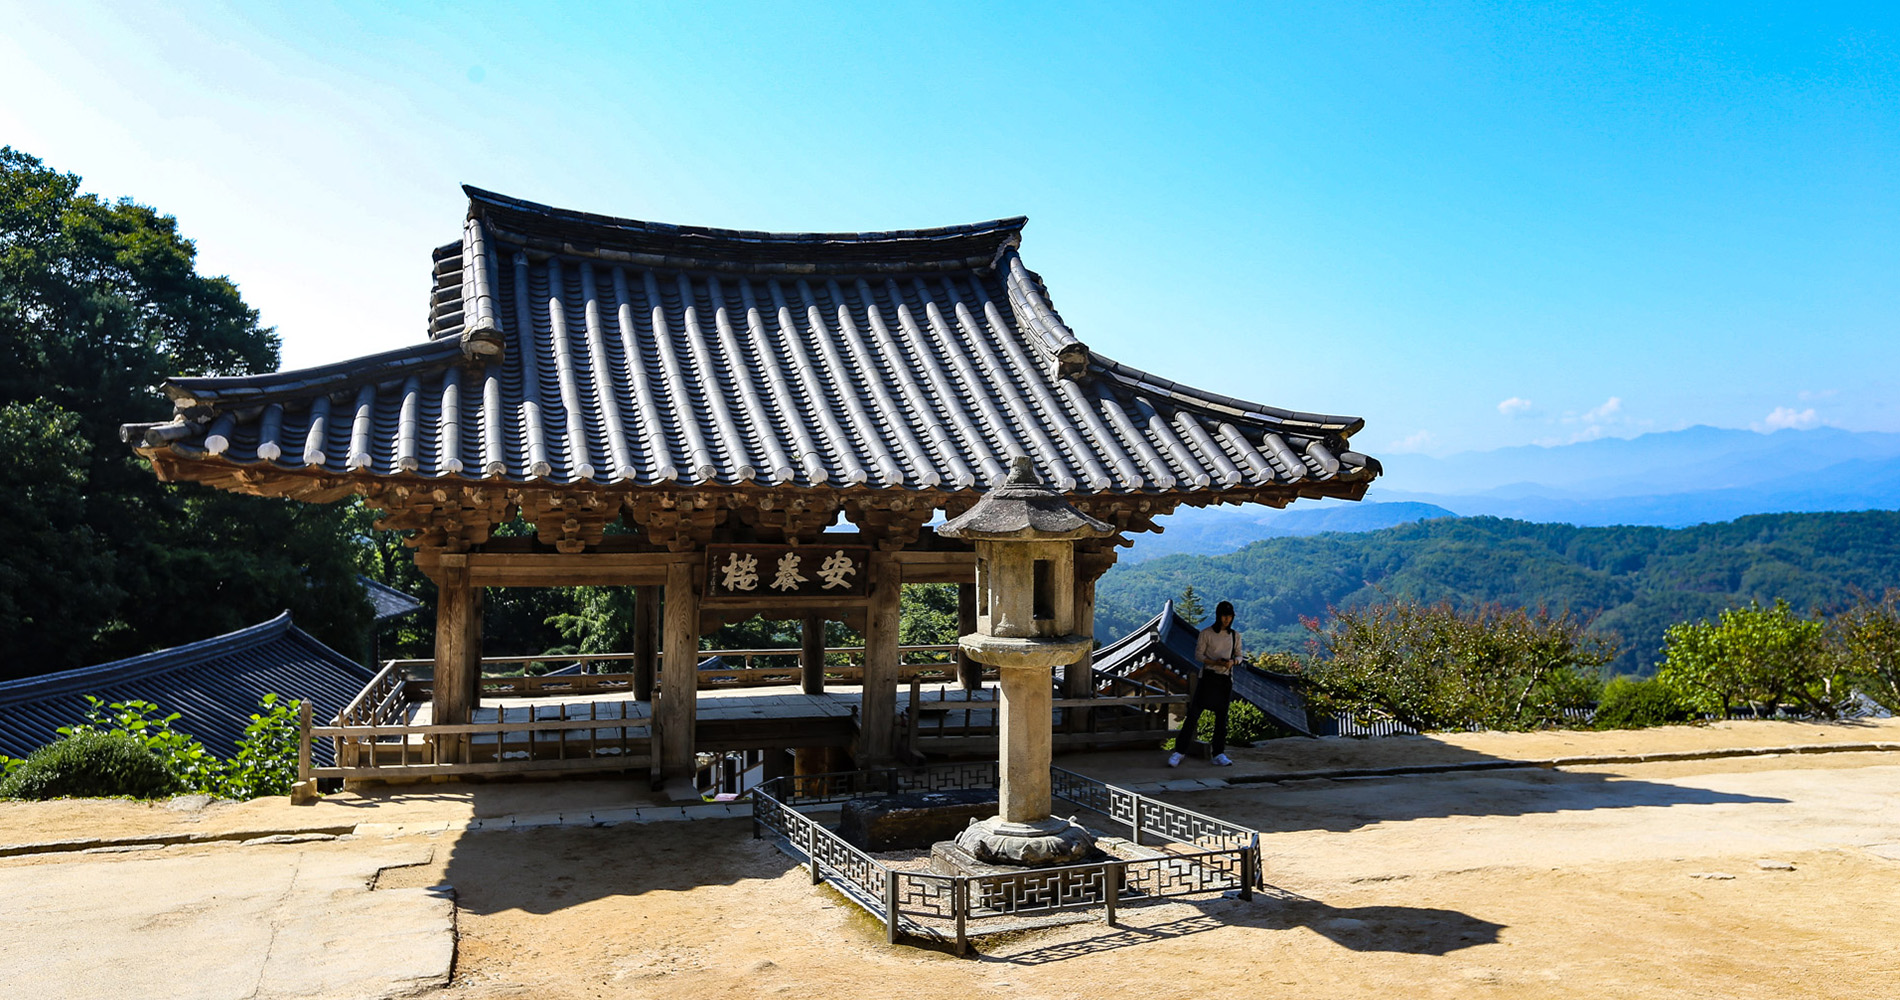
(1220, 760)
(1174, 759)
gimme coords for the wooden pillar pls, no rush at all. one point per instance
(969, 672)
(646, 639)
(677, 712)
(877, 711)
(811, 654)
(455, 662)
(1079, 677)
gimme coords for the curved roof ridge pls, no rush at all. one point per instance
(145, 664)
(975, 244)
(303, 382)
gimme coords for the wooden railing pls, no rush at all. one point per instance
(590, 736)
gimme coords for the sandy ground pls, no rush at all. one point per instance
(1600, 881)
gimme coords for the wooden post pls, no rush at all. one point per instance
(1079, 677)
(454, 609)
(679, 673)
(969, 672)
(303, 740)
(811, 654)
(877, 713)
(646, 639)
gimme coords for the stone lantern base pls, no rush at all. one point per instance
(1039, 844)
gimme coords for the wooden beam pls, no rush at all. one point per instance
(937, 567)
(555, 569)
(877, 713)
(646, 639)
(679, 672)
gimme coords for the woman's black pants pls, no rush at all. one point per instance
(1212, 693)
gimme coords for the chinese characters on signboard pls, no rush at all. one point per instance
(781, 571)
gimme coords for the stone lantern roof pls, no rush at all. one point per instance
(1024, 508)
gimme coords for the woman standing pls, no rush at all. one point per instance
(1218, 652)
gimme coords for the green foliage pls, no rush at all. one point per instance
(99, 303)
(1867, 643)
(89, 764)
(927, 615)
(1764, 655)
(1631, 583)
(1189, 605)
(1639, 702)
(265, 764)
(1437, 667)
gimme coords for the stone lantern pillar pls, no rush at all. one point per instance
(1025, 535)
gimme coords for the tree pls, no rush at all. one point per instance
(1867, 638)
(1189, 606)
(99, 302)
(1436, 667)
(1766, 655)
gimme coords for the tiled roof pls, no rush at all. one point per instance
(214, 684)
(1170, 640)
(386, 602)
(652, 355)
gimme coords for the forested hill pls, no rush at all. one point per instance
(1632, 581)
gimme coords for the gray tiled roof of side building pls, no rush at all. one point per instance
(651, 355)
(1172, 640)
(214, 685)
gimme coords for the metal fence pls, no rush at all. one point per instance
(1208, 855)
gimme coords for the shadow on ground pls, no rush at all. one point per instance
(1410, 930)
(1342, 805)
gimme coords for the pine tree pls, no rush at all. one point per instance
(1189, 605)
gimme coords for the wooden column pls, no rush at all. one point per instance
(877, 712)
(646, 639)
(969, 672)
(677, 711)
(456, 664)
(1079, 677)
(811, 654)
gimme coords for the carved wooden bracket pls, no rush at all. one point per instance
(571, 522)
(677, 522)
(891, 523)
(450, 518)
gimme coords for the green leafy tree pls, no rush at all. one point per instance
(1867, 638)
(1437, 667)
(1762, 655)
(99, 303)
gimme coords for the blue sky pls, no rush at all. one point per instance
(1474, 225)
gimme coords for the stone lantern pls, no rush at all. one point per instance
(1025, 535)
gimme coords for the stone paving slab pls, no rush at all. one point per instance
(286, 921)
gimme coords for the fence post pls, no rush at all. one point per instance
(1134, 833)
(960, 903)
(303, 741)
(890, 906)
(1246, 871)
(1111, 888)
(811, 850)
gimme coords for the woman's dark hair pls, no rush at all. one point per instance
(1223, 608)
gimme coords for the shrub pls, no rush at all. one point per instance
(1637, 703)
(1767, 656)
(90, 763)
(265, 763)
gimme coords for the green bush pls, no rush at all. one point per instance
(1632, 703)
(87, 764)
(265, 763)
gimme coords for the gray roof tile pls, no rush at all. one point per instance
(648, 355)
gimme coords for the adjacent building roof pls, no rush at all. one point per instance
(575, 349)
(387, 602)
(214, 685)
(1169, 640)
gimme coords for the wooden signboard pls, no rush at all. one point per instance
(789, 572)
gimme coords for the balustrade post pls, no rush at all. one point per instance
(1134, 834)
(1111, 888)
(892, 933)
(811, 850)
(960, 904)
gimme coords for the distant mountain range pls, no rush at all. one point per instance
(1698, 475)
(1630, 582)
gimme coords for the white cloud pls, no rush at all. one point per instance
(1784, 417)
(1608, 411)
(1415, 441)
(1808, 394)
(1514, 406)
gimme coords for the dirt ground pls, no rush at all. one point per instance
(1627, 880)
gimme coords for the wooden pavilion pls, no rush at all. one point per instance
(725, 396)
